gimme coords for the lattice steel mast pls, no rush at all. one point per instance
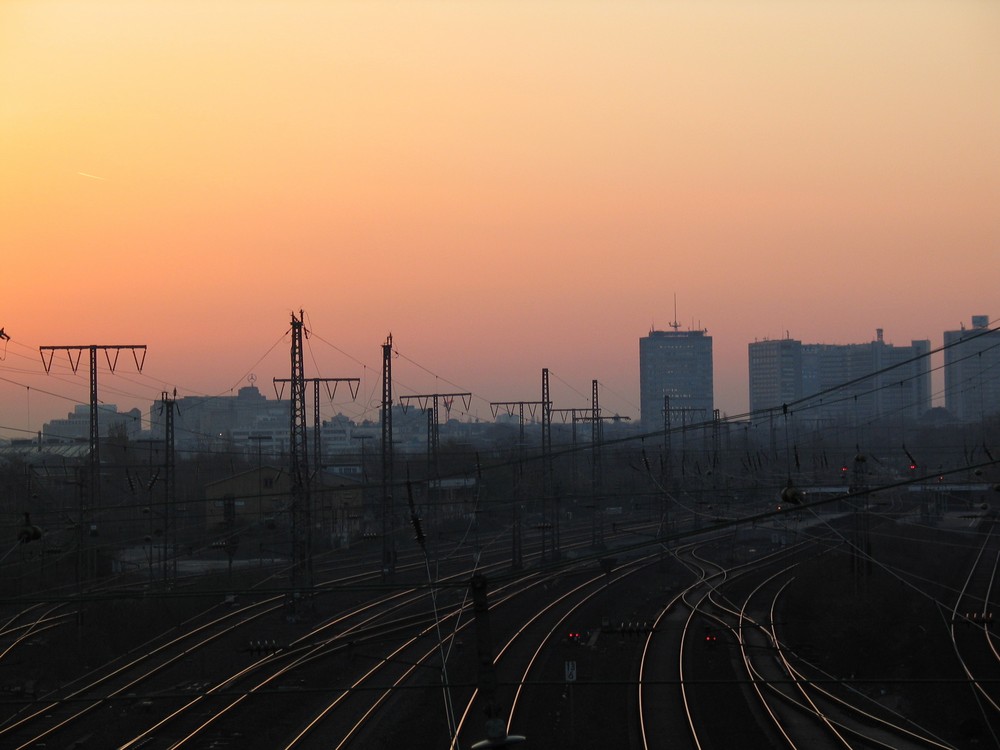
(298, 455)
(169, 403)
(388, 521)
(550, 526)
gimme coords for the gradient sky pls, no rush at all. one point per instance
(504, 186)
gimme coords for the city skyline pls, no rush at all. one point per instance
(61, 382)
(501, 187)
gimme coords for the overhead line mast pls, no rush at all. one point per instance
(168, 404)
(352, 383)
(301, 499)
(549, 527)
(388, 521)
(298, 459)
(429, 403)
(92, 485)
(509, 406)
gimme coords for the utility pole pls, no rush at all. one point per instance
(388, 520)
(331, 392)
(429, 402)
(90, 489)
(716, 432)
(298, 455)
(168, 403)
(597, 478)
(667, 458)
(597, 420)
(666, 466)
(861, 550)
(552, 526)
(496, 727)
(686, 415)
(260, 488)
(510, 407)
(367, 510)
(573, 416)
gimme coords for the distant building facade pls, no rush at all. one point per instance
(76, 426)
(775, 373)
(841, 381)
(675, 372)
(254, 426)
(972, 370)
(216, 422)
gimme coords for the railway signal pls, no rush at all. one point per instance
(496, 727)
(980, 618)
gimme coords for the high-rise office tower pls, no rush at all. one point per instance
(841, 381)
(972, 370)
(775, 373)
(677, 365)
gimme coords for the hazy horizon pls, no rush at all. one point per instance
(503, 187)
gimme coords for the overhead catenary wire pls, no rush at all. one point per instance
(622, 440)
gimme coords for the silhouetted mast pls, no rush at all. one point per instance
(93, 484)
(388, 543)
(298, 454)
(331, 391)
(168, 404)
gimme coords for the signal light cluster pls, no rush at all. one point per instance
(711, 636)
(980, 618)
(635, 628)
(263, 648)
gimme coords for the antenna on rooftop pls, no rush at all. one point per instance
(674, 324)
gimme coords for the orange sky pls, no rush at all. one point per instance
(504, 186)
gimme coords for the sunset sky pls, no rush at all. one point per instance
(502, 185)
